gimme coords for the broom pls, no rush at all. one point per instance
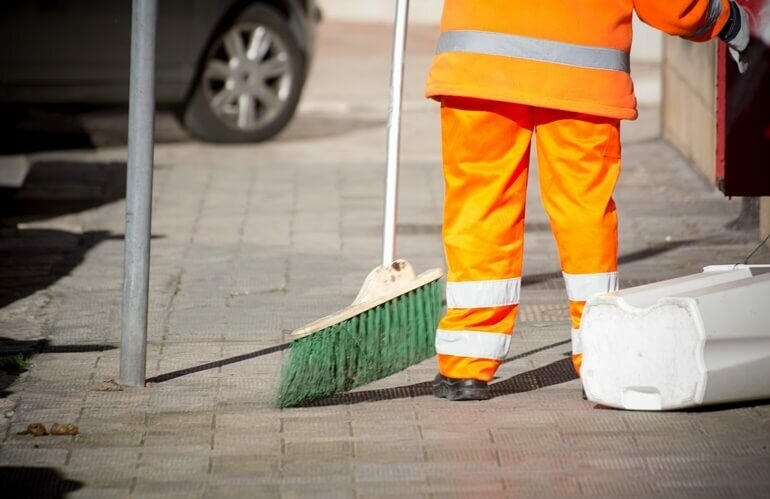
(391, 325)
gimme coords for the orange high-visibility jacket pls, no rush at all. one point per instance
(571, 55)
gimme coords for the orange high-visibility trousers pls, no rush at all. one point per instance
(486, 149)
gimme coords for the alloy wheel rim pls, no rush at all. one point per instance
(248, 76)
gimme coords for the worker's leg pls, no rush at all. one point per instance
(486, 147)
(579, 163)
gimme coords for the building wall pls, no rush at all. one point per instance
(688, 108)
(420, 11)
(689, 101)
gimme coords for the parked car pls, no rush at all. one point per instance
(233, 69)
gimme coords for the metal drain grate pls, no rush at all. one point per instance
(555, 373)
(543, 312)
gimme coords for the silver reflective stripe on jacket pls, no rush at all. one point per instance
(477, 344)
(482, 294)
(580, 287)
(714, 11)
(522, 47)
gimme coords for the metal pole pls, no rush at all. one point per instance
(141, 119)
(394, 133)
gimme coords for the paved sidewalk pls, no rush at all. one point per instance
(253, 241)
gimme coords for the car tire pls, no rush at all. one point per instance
(249, 82)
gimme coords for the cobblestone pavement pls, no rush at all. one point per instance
(252, 241)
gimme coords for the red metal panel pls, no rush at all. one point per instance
(743, 112)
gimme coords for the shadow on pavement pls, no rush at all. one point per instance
(310, 126)
(50, 128)
(32, 130)
(9, 347)
(555, 373)
(652, 251)
(67, 127)
(33, 482)
(219, 363)
(34, 259)
(14, 354)
(55, 188)
(728, 406)
(634, 256)
(416, 390)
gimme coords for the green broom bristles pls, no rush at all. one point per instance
(370, 346)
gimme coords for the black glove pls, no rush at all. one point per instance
(736, 35)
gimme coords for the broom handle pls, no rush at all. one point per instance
(394, 133)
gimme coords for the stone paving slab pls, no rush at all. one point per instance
(252, 241)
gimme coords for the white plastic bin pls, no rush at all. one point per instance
(695, 340)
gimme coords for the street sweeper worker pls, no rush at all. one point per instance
(506, 70)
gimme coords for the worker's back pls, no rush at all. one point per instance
(564, 54)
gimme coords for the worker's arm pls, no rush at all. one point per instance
(700, 20)
(697, 20)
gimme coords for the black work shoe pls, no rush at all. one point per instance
(460, 389)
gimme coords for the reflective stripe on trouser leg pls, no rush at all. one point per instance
(579, 164)
(577, 350)
(576, 312)
(483, 293)
(471, 343)
(580, 287)
(486, 152)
